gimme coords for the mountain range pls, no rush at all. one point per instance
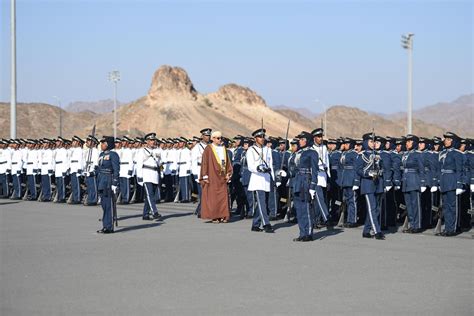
(173, 107)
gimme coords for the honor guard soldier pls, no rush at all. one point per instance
(305, 183)
(47, 170)
(349, 180)
(450, 183)
(184, 171)
(371, 185)
(126, 170)
(430, 170)
(259, 160)
(281, 172)
(17, 164)
(91, 159)
(76, 166)
(237, 192)
(108, 182)
(386, 167)
(248, 209)
(320, 206)
(60, 170)
(5, 168)
(413, 183)
(196, 157)
(335, 192)
(148, 173)
(31, 170)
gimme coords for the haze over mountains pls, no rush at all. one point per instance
(173, 107)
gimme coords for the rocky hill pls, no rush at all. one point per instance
(173, 106)
(35, 120)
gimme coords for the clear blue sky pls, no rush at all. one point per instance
(290, 52)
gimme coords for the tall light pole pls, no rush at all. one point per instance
(60, 116)
(407, 43)
(13, 71)
(114, 76)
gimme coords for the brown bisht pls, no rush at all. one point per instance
(213, 179)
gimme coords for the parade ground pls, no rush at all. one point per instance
(52, 262)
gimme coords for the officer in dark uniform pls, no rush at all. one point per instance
(236, 188)
(349, 181)
(413, 183)
(368, 168)
(107, 182)
(386, 165)
(334, 192)
(291, 211)
(450, 182)
(248, 208)
(304, 186)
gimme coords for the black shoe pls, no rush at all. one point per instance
(448, 234)
(416, 231)
(147, 218)
(407, 231)
(256, 229)
(89, 204)
(15, 198)
(350, 225)
(105, 231)
(156, 215)
(298, 239)
(367, 235)
(380, 236)
(268, 228)
(273, 218)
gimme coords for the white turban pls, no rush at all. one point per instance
(216, 134)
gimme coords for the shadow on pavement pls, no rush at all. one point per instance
(282, 225)
(165, 217)
(326, 233)
(6, 203)
(137, 227)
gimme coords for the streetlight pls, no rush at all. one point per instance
(407, 43)
(114, 76)
(60, 116)
(13, 70)
(325, 125)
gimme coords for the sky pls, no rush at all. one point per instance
(291, 53)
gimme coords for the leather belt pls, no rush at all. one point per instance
(124, 163)
(150, 167)
(74, 160)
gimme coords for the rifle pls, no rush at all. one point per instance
(89, 162)
(343, 207)
(439, 210)
(114, 208)
(278, 178)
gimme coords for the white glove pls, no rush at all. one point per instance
(459, 191)
(88, 174)
(472, 187)
(114, 189)
(277, 184)
(433, 189)
(397, 187)
(423, 189)
(282, 173)
(355, 188)
(388, 188)
(312, 193)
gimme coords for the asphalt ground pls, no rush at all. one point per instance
(52, 262)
